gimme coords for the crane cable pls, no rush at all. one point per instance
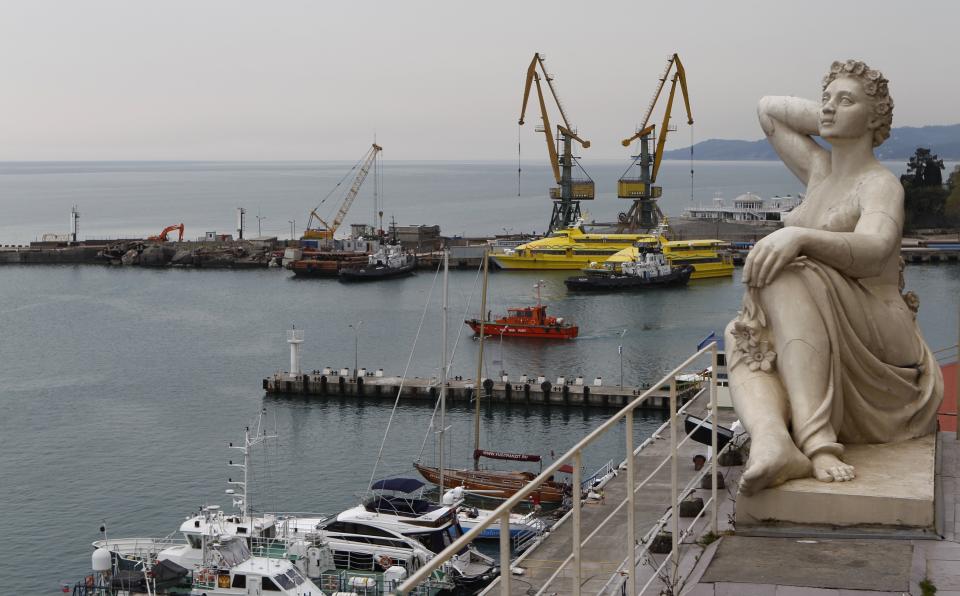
(519, 169)
(691, 163)
(337, 185)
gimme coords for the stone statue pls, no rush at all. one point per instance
(826, 349)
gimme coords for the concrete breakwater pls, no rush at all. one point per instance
(567, 392)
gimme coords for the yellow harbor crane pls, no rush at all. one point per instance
(568, 193)
(644, 214)
(325, 231)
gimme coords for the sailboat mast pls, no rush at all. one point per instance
(476, 397)
(443, 362)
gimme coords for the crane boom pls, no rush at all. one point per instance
(569, 192)
(680, 76)
(645, 214)
(327, 230)
(565, 129)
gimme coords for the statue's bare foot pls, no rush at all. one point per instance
(772, 461)
(828, 468)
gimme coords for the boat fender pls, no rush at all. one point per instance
(526, 391)
(586, 393)
(488, 386)
(359, 385)
(342, 382)
(323, 385)
(566, 392)
(545, 387)
(508, 391)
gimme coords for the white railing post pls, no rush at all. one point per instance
(631, 511)
(577, 462)
(714, 416)
(674, 506)
(505, 554)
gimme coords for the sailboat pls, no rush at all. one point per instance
(490, 483)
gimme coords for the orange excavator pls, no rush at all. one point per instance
(162, 236)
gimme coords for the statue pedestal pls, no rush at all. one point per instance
(893, 490)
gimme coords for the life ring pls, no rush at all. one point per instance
(385, 561)
(89, 581)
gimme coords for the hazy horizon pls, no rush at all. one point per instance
(236, 80)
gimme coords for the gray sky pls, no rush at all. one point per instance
(234, 79)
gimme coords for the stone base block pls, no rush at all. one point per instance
(894, 488)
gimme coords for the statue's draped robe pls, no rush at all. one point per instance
(868, 400)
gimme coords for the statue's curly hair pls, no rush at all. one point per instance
(875, 86)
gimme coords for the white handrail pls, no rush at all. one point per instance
(502, 512)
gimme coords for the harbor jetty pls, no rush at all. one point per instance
(562, 391)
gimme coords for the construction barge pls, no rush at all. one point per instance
(526, 390)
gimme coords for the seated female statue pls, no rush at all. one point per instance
(826, 350)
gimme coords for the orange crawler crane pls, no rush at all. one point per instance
(162, 236)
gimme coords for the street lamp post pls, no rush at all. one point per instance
(259, 219)
(293, 227)
(356, 346)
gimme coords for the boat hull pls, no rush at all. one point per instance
(502, 484)
(378, 272)
(493, 329)
(701, 270)
(600, 282)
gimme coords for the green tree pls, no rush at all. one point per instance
(952, 208)
(925, 196)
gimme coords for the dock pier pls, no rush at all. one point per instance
(535, 390)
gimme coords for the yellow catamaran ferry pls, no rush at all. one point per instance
(574, 249)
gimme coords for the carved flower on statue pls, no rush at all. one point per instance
(870, 88)
(836, 67)
(873, 75)
(762, 357)
(882, 88)
(745, 335)
(881, 108)
(912, 301)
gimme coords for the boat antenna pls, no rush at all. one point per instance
(443, 360)
(477, 384)
(403, 380)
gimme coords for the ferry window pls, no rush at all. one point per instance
(269, 586)
(239, 581)
(721, 359)
(195, 541)
(284, 581)
(371, 531)
(295, 577)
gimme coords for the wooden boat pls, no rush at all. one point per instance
(494, 483)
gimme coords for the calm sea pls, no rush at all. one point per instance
(122, 387)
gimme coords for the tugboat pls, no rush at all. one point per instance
(649, 269)
(528, 321)
(388, 261)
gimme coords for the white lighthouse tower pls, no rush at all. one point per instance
(294, 338)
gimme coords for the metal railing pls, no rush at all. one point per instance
(626, 571)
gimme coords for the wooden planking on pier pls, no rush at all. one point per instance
(461, 390)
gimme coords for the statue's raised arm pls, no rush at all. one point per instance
(825, 350)
(790, 123)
